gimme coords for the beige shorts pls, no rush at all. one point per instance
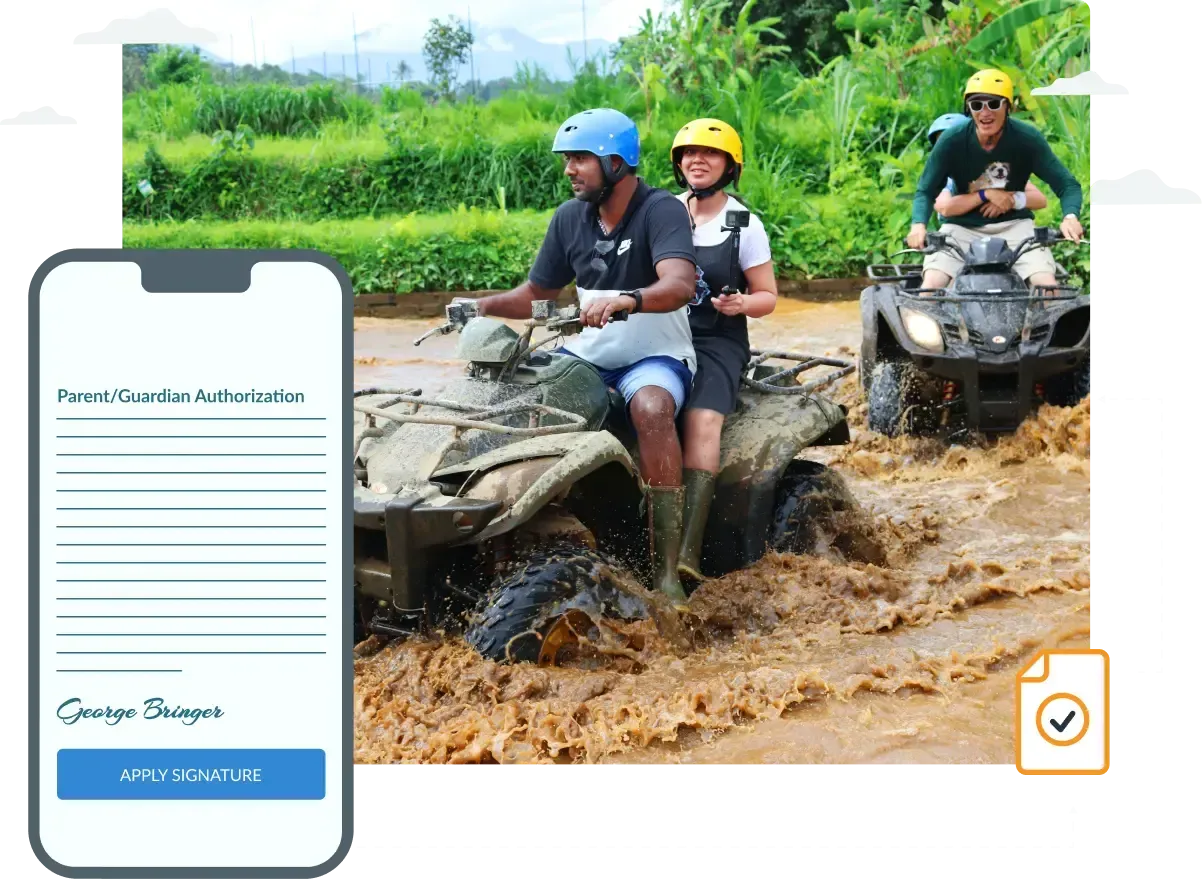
(1031, 263)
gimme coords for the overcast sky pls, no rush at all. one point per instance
(322, 25)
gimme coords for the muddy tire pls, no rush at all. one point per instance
(1069, 389)
(525, 604)
(815, 511)
(900, 400)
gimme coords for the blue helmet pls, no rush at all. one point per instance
(943, 123)
(602, 132)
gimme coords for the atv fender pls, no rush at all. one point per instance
(878, 304)
(758, 443)
(526, 484)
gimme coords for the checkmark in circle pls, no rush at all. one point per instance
(1058, 712)
(1060, 725)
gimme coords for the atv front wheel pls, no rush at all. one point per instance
(900, 400)
(814, 508)
(1069, 389)
(527, 604)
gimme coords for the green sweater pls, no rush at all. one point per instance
(1020, 152)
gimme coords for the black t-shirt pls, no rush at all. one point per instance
(655, 227)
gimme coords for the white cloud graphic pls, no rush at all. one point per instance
(41, 116)
(159, 26)
(1140, 188)
(1088, 83)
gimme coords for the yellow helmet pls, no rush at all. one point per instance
(712, 133)
(990, 82)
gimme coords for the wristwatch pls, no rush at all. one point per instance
(637, 296)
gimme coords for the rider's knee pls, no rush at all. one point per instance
(652, 408)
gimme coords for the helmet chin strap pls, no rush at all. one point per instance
(611, 178)
(705, 192)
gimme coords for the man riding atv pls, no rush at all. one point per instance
(951, 204)
(991, 160)
(629, 248)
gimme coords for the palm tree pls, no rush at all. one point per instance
(403, 70)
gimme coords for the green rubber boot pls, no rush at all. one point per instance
(666, 520)
(698, 493)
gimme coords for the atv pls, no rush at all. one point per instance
(977, 356)
(512, 501)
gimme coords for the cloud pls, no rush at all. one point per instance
(1088, 83)
(41, 116)
(497, 43)
(159, 26)
(1140, 188)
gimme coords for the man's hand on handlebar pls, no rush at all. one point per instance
(600, 311)
(917, 238)
(1071, 227)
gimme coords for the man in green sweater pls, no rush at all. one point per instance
(990, 162)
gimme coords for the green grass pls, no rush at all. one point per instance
(335, 144)
(462, 250)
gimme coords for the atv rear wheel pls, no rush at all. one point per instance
(527, 604)
(901, 400)
(1069, 389)
(815, 510)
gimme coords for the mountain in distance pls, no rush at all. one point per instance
(497, 53)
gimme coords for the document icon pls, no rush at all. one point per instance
(1062, 713)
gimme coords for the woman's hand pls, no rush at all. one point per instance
(730, 303)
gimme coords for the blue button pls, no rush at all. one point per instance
(191, 774)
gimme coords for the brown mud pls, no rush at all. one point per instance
(800, 658)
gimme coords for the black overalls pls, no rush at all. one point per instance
(720, 341)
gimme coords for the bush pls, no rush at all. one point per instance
(464, 250)
(472, 249)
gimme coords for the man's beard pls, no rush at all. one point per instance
(589, 194)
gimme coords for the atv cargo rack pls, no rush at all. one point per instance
(476, 419)
(762, 379)
(894, 271)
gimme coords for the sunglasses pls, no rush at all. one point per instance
(976, 105)
(601, 248)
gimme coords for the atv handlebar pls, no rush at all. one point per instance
(542, 314)
(1043, 237)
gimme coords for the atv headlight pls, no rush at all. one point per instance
(923, 329)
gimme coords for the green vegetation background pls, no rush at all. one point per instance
(411, 191)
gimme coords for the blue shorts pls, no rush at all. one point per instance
(660, 371)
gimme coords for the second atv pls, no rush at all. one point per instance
(512, 502)
(979, 355)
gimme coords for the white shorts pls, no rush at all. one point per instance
(1033, 262)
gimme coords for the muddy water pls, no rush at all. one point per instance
(800, 659)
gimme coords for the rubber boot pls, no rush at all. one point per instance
(698, 493)
(666, 520)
